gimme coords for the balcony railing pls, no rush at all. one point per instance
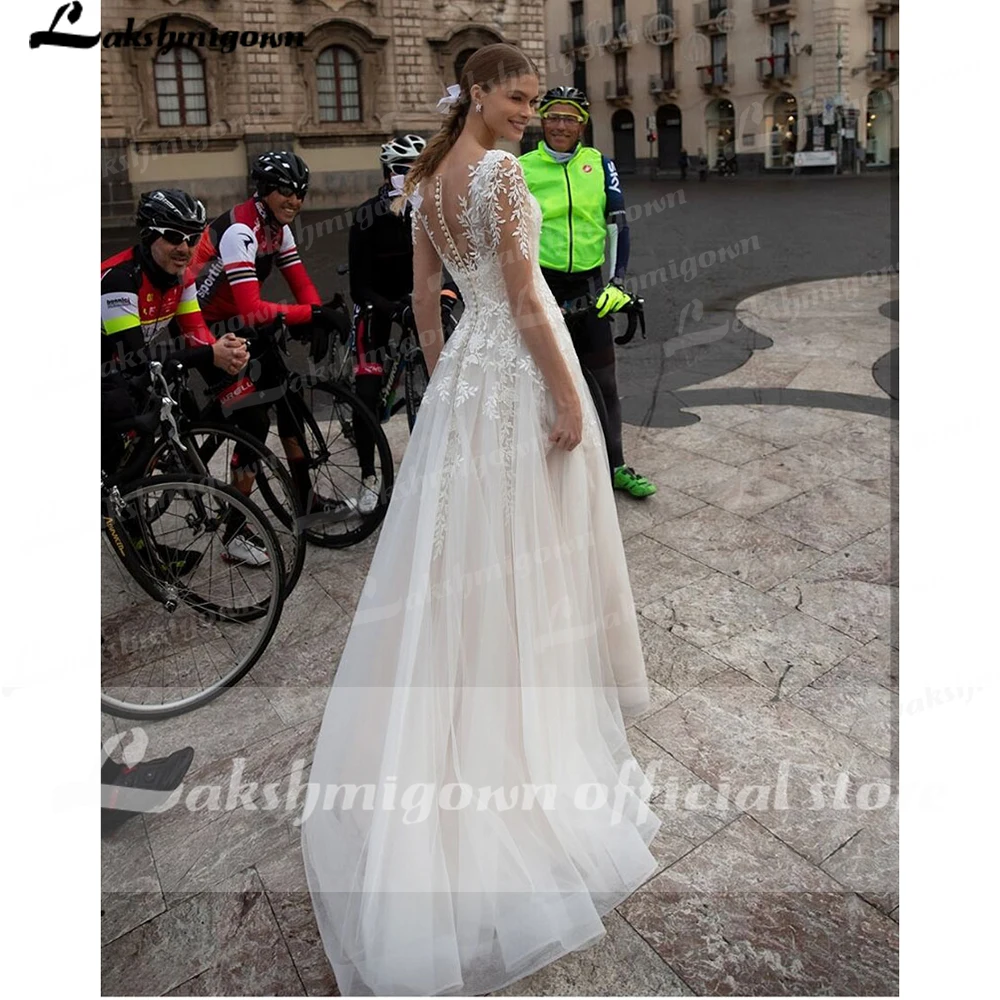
(716, 76)
(663, 84)
(660, 29)
(616, 38)
(706, 12)
(772, 69)
(774, 10)
(885, 62)
(615, 91)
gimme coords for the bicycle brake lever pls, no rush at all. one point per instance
(640, 308)
(167, 416)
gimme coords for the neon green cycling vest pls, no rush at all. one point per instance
(572, 199)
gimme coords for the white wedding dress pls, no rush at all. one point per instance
(474, 807)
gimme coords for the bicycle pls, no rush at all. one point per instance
(316, 408)
(175, 633)
(634, 312)
(173, 439)
(404, 359)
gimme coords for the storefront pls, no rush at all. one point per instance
(782, 127)
(623, 130)
(668, 132)
(720, 129)
(878, 129)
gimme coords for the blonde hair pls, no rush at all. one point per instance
(488, 66)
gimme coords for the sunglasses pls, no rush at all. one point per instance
(176, 238)
(286, 192)
(400, 169)
(563, 119)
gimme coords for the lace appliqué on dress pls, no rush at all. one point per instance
(486, 351)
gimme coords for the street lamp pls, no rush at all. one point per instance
(794, 39)
(840, 102)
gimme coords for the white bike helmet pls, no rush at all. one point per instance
(402, 150)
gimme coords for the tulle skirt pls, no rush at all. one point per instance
(473, 805)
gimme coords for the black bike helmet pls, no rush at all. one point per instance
(280, 169)
(170, 209)
(566, 95)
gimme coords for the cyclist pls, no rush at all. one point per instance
(149, 314)
(583, 207)
(380, 262)
(237, 252)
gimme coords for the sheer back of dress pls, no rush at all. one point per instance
(446, 206)
(465, 206)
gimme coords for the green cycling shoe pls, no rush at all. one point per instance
(626, 478)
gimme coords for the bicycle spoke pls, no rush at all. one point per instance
(179, 624)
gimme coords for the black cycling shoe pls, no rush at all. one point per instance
(161, 775)
(326, 509)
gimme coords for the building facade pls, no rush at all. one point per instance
(762, 78)
(192, 90)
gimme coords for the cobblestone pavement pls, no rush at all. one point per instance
(765, 579)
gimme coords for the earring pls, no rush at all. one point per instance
(479, 108)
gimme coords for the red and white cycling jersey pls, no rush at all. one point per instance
(236, 253)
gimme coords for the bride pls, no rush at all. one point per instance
(473, 806)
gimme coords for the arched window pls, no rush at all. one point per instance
(180, 88)
(337, 85)
(460, 60)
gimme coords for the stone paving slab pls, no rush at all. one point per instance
(764, 574)
(771, 943)
(224, 943)
(744, 549)
(621, 964)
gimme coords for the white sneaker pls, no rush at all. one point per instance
(368, 496)
(242, 549)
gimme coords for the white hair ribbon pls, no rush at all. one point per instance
(414, 200)
(444, 105)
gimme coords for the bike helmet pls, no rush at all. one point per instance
(280, 169)
(170, 209)
(402, 150)
(566, 95)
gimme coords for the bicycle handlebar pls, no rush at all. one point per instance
(634, 310)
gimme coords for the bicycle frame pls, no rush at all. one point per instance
(276, 388)
(394, 371)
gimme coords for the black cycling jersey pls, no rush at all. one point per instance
(380, 250)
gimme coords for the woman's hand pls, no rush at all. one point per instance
(567, 432)
(230, 353)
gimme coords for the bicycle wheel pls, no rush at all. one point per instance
(335, 467)
(178, 625)
(211, 450)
